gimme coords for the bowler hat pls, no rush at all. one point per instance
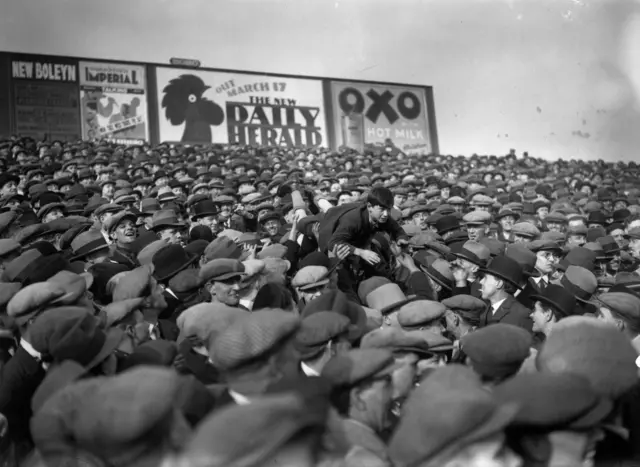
(204, 208)
(597, 217)
(505, 268)
(165, 219)
(559, 298)
(170, 260)
(447, 223)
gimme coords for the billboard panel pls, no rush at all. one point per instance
(369, 115)
(198, 106)
(114, 101)
(45, 97)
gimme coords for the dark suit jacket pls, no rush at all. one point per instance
(168, 330)
(20, 378)
(530, 289)
(510, 312)
(470, 289)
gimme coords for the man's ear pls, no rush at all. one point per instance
(112, 235)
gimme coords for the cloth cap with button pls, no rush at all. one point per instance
(358, 365)
(470, 308)
(593, 349)
(251, 336)
(222, 269)
(497, 351)
(526, 229)
(316, 330)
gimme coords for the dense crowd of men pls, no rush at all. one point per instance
(192, 306)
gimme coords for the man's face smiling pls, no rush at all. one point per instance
(125, 232)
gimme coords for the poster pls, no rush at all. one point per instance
(114, 102)
(197, 106)
(369, 115)
(45, 97)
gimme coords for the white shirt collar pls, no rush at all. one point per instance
(307, 370)
(239, 398)
(248, 304)
(170, 292)
(497, 305)
(30, 350)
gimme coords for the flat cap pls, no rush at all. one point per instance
(593, 349)
(553, 400)
(357, 365)
(477, 218)
(32, 300)
(467, 306)
(481, 200)
(112, 223)
(8, 246)
(526, 229)
(252, 336)
(221, 269)
(544, 245)
(310, 277)
(316, 330)
(400, 340)
(498, 350)
(222, 247)
(419, 313)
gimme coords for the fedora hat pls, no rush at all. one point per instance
(559, 298)
(525, 257)
(381, 294)
(505, 268)
(439, 271)
(164, 219)
(87, 243)
(581, 282)
(472, 251)
(578, 256)
(170, 260)
(204, 208)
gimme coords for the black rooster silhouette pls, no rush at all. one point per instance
(184, 104)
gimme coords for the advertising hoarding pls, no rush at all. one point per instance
(368, 115)
(45, 97)
(114, 102)
(197, 106)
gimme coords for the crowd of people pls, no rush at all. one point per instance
(202, 306)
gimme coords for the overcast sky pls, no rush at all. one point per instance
(554, 77)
